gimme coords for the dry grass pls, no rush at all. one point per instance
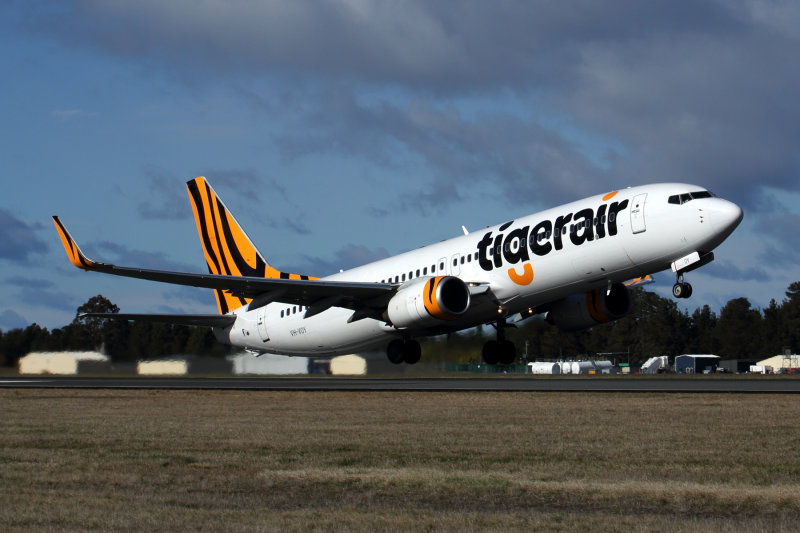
(248, 461)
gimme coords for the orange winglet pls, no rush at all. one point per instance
(74, 253)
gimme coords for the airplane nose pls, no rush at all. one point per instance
(726, 216)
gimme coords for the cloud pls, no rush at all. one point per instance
(520, 158)
(19, 240)
(349, 256)
(122, 255)
(193, 294)
(49, 299)
(729, 271)
(32, 283)
(166, 201)
(67, 114)
(10, 320)
(702, 93)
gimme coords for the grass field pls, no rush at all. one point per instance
(249, 461)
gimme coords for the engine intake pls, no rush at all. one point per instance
(428, 301)
(581, 311)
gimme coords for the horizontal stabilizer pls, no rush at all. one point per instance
(644, 280)
(215, 321)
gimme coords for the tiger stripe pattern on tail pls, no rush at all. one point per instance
(228, 250)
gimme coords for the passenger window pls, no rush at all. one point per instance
(469, 258)
(403, 278)
(612, 217)
(417, 272)
(441, 266)
(462, 259)
(425, 271)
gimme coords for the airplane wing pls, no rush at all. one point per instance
(318, 295)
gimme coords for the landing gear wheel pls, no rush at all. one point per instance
(508, 352)
(677, 290)
(491, 352)
(395, 351)
(411, 352)
(681, 290)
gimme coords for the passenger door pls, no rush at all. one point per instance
(637, 213)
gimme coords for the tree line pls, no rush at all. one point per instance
(119, 339)
(654, 327)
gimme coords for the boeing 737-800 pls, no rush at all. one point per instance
(573, 262)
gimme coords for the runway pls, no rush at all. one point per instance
(641, 384)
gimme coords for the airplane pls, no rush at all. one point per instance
(574, 262)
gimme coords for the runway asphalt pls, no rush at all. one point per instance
(692, 384)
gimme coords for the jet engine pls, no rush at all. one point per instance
(581, 311)
(428, 301)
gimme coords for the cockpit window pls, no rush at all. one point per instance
(701, 194)
(679, 199)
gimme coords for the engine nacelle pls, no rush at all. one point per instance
(428, 301)
(581, 311)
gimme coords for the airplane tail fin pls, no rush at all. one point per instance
(228, 250)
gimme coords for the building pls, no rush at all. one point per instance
(178, 365)
(782, 363)
(64, 363)
(348, 365)
(696, 364)
(736, 366)
(269, 364)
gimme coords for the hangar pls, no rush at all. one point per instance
(64, 363)
(696, 363)
(781, 362)
(183, 364)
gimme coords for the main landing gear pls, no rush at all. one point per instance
(500, 351)
(681, 289)
(404, 351)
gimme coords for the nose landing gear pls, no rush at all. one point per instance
(681, 289)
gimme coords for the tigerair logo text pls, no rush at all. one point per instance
(519, 244)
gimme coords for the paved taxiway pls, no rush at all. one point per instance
(752, 384)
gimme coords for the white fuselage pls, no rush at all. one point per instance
(525, 264)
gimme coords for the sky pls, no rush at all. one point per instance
(340, 132)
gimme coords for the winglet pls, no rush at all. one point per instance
(74, 253)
